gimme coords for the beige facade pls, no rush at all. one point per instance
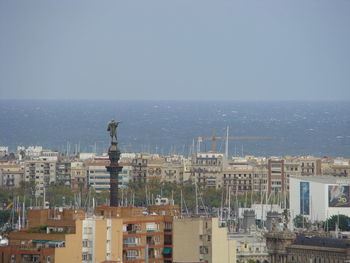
(78, 175)
(97, 174)
(201, 239)
(238, 177)
(147, 167)
(172, 172)
(260, 178)
(41, 173)
(310, 166)
(206, 169)
(68, 236)
(11, 174)
(276, 176)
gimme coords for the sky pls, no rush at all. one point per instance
(175, 50)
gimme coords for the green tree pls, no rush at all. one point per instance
(4, 217)
(300, 221)
(342, 221)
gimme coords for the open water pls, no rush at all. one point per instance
(301, 128)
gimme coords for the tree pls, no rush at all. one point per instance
(343, 220)
(4, 217)
(300, 221)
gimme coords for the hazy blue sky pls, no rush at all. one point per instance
(190, 49)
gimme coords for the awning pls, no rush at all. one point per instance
(167, 250)
(52, 242)
(40, 241)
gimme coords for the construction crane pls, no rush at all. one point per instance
(214, 138)
(9, 206)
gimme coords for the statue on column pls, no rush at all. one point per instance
(112, 128)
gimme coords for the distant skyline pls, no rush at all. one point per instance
(175, 50)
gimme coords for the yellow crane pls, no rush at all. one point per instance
(214, 138)
(8, 206)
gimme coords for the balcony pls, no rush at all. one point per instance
(130, 244)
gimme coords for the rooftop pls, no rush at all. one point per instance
(323, 179)
(320, 242)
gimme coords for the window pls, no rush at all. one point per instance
(151, 227)
(203, 250)
(85, 243)
(131, 254)
(85, 256)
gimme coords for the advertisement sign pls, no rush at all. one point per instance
(304, 198)
(338, 196)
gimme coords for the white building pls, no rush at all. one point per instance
(319, 197)
(4, 150)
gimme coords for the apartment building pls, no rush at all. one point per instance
(4, 150)
(147, 167)
(339, 167)
(63, 172)
(260, 180)
(98, 177)
(65, 236)
(238, 176)
(139, 168)
(172, 171)
(118, 234)
(310, 166)
(144, 236)
(78, 175)
(41, 173)
(276, 176)
(147, 237)
(202, 240)
(206, 169)
(11, 174)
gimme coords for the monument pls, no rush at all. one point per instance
(113, 168)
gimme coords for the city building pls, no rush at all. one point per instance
(11, 174)
(260, 178)
(54, 236)
(172, 170)
(339, 168)
(4, 150)
(310, 166)
(144, 236)
(98, 177)
(276, 177)
(319, 197)
(206, 169)
(202, 240)
(78, 175)
(287, 247)
(63, 172)
(40, 173)
(139, 168)
(239, 176)
(250, 247)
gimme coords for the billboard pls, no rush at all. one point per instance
(304, 198)
(338, 196)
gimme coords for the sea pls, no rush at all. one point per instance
(172, 127)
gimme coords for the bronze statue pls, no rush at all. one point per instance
(112, 128)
